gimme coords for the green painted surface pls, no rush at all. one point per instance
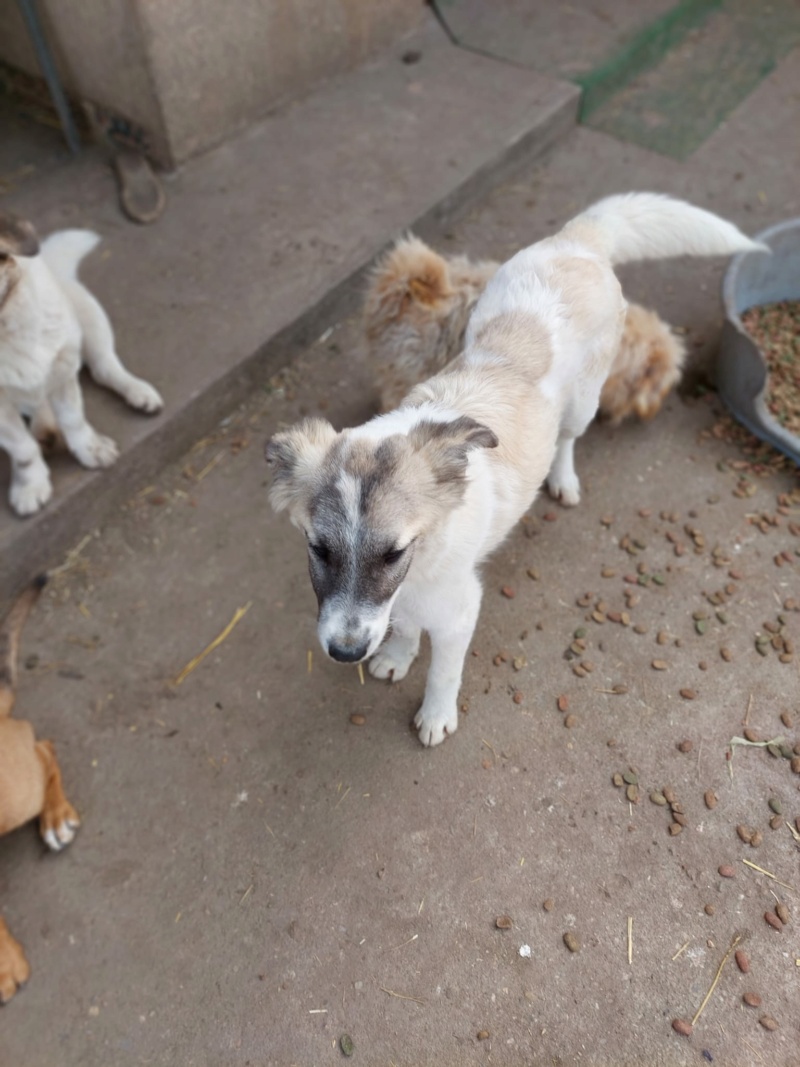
(676, 105)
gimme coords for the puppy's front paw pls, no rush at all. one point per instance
(142, 396)
(30, 493)
(14, 968)
(57, 825)
(95, 451)
(566, 491)
(393, 659)
(435, 724)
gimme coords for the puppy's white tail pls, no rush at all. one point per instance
(651, 226)
(64, 250)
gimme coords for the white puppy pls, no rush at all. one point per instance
(399, 513)
(48, 320)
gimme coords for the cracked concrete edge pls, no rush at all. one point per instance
(89, 501)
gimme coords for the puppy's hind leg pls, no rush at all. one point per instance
(450, 638)
(101, 357)
(562, 481)
(89, 447)
(58, 820)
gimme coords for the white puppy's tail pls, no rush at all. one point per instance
(651, 226)
(64, 250)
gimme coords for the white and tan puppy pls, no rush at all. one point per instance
(49, 322)
(399, 513)
(416, 311)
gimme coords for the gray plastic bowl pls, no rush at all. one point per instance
(741, 371)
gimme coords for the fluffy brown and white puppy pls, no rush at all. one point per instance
(399, 513)
(30, 782)
(416, 310)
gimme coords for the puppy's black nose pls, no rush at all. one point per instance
(347, 655)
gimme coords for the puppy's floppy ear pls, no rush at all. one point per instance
(17, 236)
(446, 446)
(294, 457)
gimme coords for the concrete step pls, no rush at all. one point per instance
(263, 245)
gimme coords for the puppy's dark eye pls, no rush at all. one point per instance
(322, 552)
(394, 556)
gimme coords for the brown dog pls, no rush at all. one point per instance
(416, 311)
(30, 782)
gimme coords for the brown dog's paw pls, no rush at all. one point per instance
(14, 968)
(58, 823)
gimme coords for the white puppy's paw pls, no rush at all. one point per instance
(566, 491)
(31, 494)
(142, 396)
(393, 659)
(95, 450)
(435, 724)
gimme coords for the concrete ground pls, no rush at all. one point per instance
(257, 877)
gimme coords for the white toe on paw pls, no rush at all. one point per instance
(434, 728)
(98, 451)
(142, 396)
(391, 661)
(568, 493)
(58, 837)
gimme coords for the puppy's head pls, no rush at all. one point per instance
(17, 239)
(366, 506)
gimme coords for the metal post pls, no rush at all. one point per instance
(45, 56)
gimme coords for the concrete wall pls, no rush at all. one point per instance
(193, 72)
(100, 54)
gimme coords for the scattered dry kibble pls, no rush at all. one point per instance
(753, 1000)
(688, 694)
(572, 942)
(572, 720)
(756, 838)
(726, 871)
(674, 829)
(508, 591)
(669, 793)
(795, 764)
(533, 573)
(685, 745)
(682, 1027)
(503, 922)
(786, 719)
(709, 909)
(772, 920)
(776, 822)
(548, 904)
(357, 720)
(775, 805)
(632, 793)
(483, 1035)
(750, 734)
(617, 779)
(658, 798)
(768, 1022)
(745, 833)
(518, 697)
(742, 962)
(710, 798)
(659, 665)
(563, 703)
(783, 913)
